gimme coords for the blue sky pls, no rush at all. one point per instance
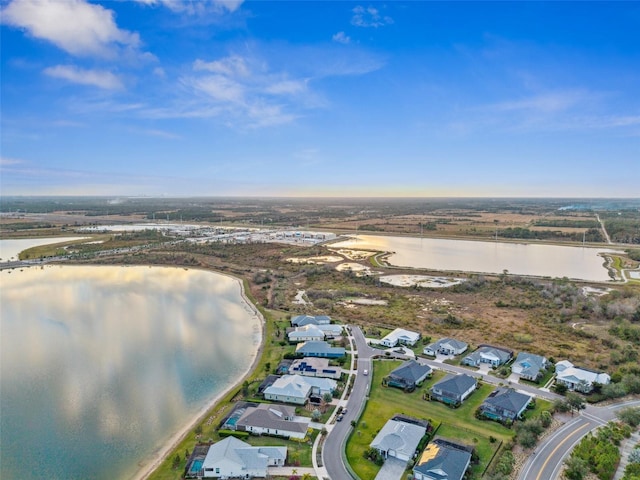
(169, 97)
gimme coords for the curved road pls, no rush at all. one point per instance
(545, 464)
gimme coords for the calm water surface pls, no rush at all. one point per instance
(101, 365)
(490, 257)
(9, 249)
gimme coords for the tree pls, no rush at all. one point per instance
(630, 416)
(575, 401)
(576, 468)
(176, 461)
(327, 397)
(560, 388)
(315, 415)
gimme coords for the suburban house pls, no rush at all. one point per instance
(408, 375)
(319, 349)
(269, 419)
(505, 404)
(494, 356)
(302, 320)
(399, 439)
(442, 460)
(446, 346)
(330, 331)
(453, 389)
(529, 366)
(579, 379)
(233, 458)
(297, 389)
(402, 336)
(306, 333)
(314, 367)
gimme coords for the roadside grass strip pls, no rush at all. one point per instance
(456, 424)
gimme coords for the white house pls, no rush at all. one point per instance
(308, 333)
(400, 335)
(297, 389)
(233, 458)
(577, 378)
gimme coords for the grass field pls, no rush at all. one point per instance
(458, 424)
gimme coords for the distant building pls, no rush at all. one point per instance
(494, 356)
(408, 375)
(446, 346)
(579, 379)
(402, 336)
(453, 389)
(529, 366)
(398, 439)
(442, 460)
(505, 404)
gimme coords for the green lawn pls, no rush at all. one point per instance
(457, 424)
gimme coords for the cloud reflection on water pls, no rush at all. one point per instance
(100, 364)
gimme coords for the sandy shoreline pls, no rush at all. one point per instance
(145, 472)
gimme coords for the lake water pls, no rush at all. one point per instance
(487, 257)
(9, 249)
(100, 366)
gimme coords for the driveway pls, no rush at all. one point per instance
(392, 469)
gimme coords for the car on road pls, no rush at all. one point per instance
(339, 418)
(344, 410)
(365, 372)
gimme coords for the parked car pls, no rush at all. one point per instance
(339, 418)
(365, 372)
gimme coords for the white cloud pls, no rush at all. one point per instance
(78, 27)
(340, 37)
(369, 17)
(221, 88)
(232, 65)
(5, 162)
(159, 72)
(547, 102)
(196, 7)
(96, 78)
(286, 87)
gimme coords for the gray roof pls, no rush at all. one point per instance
(400, 436)
(271, 416)
(411, 371)
(502, 355)
(443, 460)
(507, 399)
(456, 384)
(456, 344)
(530, 363)
(301, 320)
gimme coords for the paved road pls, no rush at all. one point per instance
(546, 463)
(332, 452)
(604, 230)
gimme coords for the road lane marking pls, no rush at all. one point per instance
(544, 465)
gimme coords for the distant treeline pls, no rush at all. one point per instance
(591, 235)
(624, 227)
(567, 223)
